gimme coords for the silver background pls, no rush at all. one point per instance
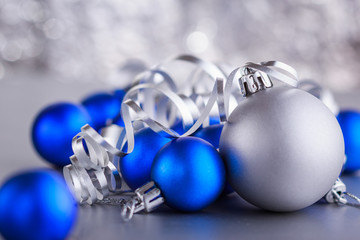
(92, 40)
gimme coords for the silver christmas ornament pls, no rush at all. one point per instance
(283, 149)
(320, 92)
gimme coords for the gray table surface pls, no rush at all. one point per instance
(229, 218)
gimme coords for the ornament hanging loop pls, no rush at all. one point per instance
(127, 206)
(253, 81)
(128, 210)
(336, 194)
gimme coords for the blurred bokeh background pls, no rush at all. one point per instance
(104, 40)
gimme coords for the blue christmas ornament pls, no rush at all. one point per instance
(119, 94)
(36, 205)
(350, 125)
(136, 166)
(54, 128)
(118, 121)
(178, 127)
(189, 172)
(212, 135)
(214, 121)
(101, 107)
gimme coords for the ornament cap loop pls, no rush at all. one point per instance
(254, 81)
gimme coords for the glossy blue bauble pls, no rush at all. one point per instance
(189, 172)
(36, 205)
(102, 107)
(212, 135)
(136, 166)
(350, 125)
(54, 128)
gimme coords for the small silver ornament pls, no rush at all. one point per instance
(283, 149)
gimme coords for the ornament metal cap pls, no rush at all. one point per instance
(148, 197)
(253, 81)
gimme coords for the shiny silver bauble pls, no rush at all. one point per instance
(283, 149)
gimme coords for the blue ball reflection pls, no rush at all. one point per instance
(36, 205)
(350, 125)
(54, 128)
(189, 172)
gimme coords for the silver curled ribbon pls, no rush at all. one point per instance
(92, 175)
(155, 101)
